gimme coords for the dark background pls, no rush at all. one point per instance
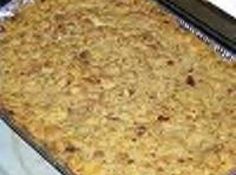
(3, 2)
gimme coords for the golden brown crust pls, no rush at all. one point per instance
(117, 88)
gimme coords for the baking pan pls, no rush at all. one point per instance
(212, 21)
(17, 159)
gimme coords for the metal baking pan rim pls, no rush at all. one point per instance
(200, 25)
(25, 136)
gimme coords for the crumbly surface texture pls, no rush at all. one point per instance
(116, 87)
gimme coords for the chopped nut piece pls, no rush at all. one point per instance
(140, 130)
(163, 118)
(190, 81)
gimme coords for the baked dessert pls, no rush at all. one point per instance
(116, 87)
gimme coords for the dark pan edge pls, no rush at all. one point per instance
(25, 136)
(173, 7)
